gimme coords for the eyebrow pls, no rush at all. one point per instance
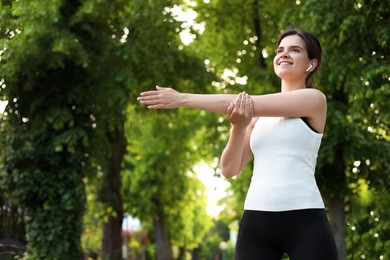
(292, 46)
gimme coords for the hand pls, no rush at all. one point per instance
(161, 98)
(240, 112)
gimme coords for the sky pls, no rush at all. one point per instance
(215, 188)
(3, 104)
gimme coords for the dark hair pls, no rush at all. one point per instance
(313, 48)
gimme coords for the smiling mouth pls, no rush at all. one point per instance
(284, 62)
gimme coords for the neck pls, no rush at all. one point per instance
(292, 85)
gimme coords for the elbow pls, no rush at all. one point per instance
(228, 172)
(230, 167)
(228, 175)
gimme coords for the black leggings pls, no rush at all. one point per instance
(302, 234)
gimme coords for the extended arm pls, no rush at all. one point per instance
(309, 103)
(168, 98)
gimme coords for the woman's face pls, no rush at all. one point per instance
(291, 60)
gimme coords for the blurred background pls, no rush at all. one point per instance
(88, 173)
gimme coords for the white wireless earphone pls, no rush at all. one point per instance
(308, 68)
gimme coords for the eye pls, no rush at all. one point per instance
(279, 51)
(296, 50)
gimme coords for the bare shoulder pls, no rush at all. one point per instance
(313, 92)
(318, 93)
(316, 96)
(317, 115)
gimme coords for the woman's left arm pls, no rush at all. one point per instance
(168, 98)
(296, 103)
(307, 103)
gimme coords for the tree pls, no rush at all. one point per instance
(189, 225)
(240, 36)
(45, 122)
(148, 176)
(76, 48)
(368, 226)
(162, 154)
(51, 58)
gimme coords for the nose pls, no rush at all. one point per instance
(283, 54)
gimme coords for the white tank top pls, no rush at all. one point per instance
(285, 153)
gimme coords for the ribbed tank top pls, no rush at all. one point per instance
(285, 153)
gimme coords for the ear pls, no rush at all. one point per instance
(314, 64)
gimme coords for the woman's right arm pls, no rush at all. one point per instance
(237, 151)
(168, 98)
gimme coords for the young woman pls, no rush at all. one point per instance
(284, 211)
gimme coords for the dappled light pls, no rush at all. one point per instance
(89, 172)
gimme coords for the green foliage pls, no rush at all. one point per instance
(164, 146)
(189, 225)
(92, 220)
(368, 230)
(49, 62)
(234, 205)
(69, 69)
(162, 154)
(241, 36)
(354, 76)
(11, 218)
(211, 245)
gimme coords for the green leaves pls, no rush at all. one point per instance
(161, 158)
(48, 127)
(354, 77)
(72, 68)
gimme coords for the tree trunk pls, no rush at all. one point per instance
(195, 254)
(112, 242)
(257, 28)
(336, 209)
(112, 197)
(335, 183)
(182, 253)
(163, 243)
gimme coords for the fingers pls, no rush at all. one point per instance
(160, 88)
(229, 109)
(150, 97)
(161, 98)
(147, 94)
(252, 106)
(237, 102)
(246, 105)
(155, 107)
(243, 101)
(153, 92)
(147, 98)
(249, 106)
